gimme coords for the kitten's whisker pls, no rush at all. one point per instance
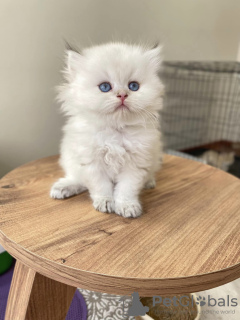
(145, 124)
(150, 116)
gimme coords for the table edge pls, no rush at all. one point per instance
(146, 287)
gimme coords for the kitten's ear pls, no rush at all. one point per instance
(74, 60)
(154, 56)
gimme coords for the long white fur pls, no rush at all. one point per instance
(111, 152)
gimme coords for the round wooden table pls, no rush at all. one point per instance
(187, 240)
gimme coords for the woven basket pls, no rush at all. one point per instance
(182, 316)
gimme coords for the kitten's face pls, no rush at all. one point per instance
(115, 80)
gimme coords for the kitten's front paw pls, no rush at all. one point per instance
(151, 184)
(128, 209)
(103, 204)
(64, 188)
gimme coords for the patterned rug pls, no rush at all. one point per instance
(106, 306)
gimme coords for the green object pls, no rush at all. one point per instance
(5, 261)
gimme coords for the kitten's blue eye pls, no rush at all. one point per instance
(105, 87)
(134, 86)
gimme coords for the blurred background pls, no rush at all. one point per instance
(32, 45)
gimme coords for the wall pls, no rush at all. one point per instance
(31, 49)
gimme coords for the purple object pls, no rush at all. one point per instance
(5, 281)
(77, 310)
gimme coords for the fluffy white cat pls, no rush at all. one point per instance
(111, 144)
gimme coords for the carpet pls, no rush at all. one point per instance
(106, 306)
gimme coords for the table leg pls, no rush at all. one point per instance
(34, 296)
(20, 291)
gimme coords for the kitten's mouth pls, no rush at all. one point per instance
(122, 107)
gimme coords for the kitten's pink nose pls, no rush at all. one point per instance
(122, 96)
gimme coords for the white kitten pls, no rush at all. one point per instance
(111, 144)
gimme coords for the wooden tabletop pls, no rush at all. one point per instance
(187, 240)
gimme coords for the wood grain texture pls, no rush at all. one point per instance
(49, 300)
(187, 240)
(33, 296)
(20, 291)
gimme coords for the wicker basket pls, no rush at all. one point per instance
(182, 316)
